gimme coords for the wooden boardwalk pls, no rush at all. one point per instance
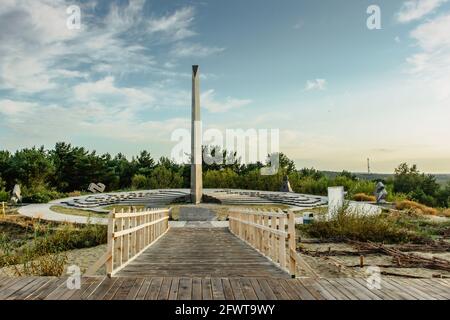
(175, 288)
(201, 252)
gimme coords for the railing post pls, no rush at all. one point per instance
(292, 243)
(282, 242)
(110, 250)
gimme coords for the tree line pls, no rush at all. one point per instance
(68, 170)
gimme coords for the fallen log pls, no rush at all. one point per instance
(407, 260)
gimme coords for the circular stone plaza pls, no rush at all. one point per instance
(163, 198)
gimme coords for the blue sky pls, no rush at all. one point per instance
(338, 92)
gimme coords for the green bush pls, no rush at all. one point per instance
(139, 181)
(4, 195)
(40, 194)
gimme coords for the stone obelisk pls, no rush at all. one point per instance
(196, 140)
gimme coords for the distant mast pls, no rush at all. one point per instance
(368, 165)
(196, 140)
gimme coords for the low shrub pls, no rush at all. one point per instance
(4, 196)
(415, 207)
(364, 197)
(74, 194)
(349, 225)
(44, 252)
(445, 213)
(40, 195)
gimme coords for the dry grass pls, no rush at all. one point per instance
(415, 208)
(445, 213)
(33, 247)
(119, 207)
(364, 197)
(77, 212)
(348, 224)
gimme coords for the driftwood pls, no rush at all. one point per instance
(406, 260)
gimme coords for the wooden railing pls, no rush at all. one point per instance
(271, 233)
(130, 233)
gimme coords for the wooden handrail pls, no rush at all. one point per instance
(130, 233)
(271, 233)
(280, 233)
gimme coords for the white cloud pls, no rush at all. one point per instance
(16, 108)
(415, 9)
(209, 102)
(431, 65)
(317, 84)
(105, 89)
(183, 50)
(177, 25)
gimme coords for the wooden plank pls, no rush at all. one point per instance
(25, 291)
(154, 289)
(266, 289)
(138, 228)
(113, 289)
(282, 243)
(185, 289)
(141, 295)
(247, 289)
(76, 294)
(135, 290)
(394, 291)
(432, 288)
(206, 289)
(237, 291)
(196, 289)
(110, 246)
(15, 286)
(254, 225)
(136, 213)
(260, 294)
(174, 288)
(100, 292)
(422, 288)
(227, 289)
(338, 295)
(217, 289)
(359, 292)
(293, 292)
(278, 290)
(126, 240)
(165, 289)
(316, 289)
(124, 289)
(341, 289)
(436, 287)
(364, 288)
(312, 290)
(411, 289)
(383, 293)
(45, 290)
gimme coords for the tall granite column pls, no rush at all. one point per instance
(196, 140)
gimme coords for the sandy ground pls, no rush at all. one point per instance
(329, 266)
(83, 258)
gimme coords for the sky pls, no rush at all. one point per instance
(338, 91)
